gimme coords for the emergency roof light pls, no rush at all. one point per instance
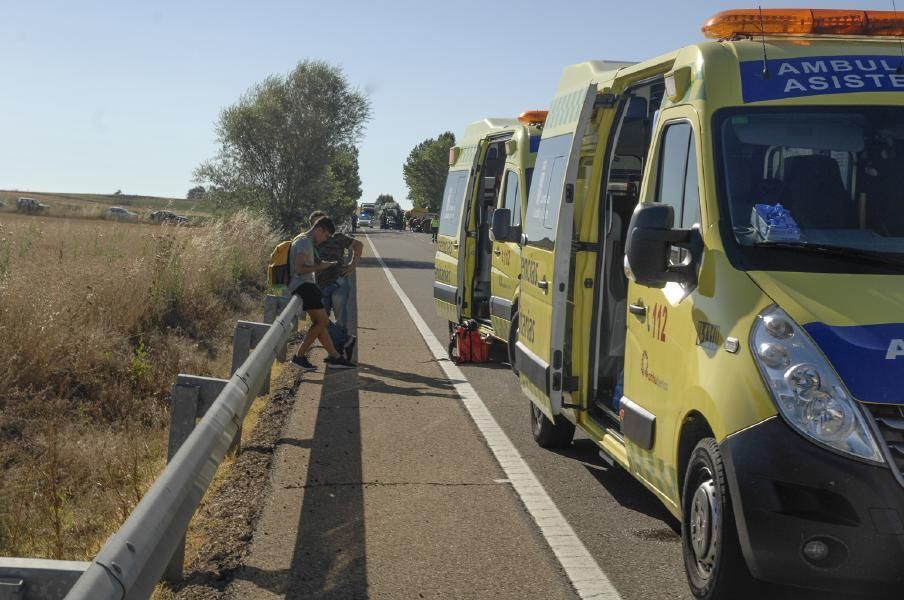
(805, 21)
(533, 117)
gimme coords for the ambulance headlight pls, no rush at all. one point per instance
(809, 394)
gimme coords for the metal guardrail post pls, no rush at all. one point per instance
(134, 558)
(38, 579)
(190, 399)
(273, 305)
(247, 336)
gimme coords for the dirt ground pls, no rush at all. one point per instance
(227, 519)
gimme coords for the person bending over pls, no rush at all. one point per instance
(302, 284)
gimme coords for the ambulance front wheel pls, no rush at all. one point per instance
(549, 434)
(713, 561)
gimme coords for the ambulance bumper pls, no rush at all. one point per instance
(787, 491)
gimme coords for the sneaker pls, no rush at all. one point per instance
(303, 363)
(349, 347)
(339, 362)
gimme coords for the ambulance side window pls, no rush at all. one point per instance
(453, 200)
(678, 185)
(512, 199)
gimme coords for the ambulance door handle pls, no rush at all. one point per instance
(497, 251)
(638, 310)
(543, 285)
(455, 243)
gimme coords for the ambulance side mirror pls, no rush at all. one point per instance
(502, 230)
(651, 238)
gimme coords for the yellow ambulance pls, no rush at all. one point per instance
(712, 288)
(477, 277)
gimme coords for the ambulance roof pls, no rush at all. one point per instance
(478, 130)
(812, 69)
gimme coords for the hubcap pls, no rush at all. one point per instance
(704, 525)
(538, 415)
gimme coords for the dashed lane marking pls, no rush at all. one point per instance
(580, 567)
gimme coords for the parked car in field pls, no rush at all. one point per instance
(168, 216)
(31, 206)
(118, 213)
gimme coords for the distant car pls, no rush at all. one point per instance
(365, 221)
(168, 216)
(118, 213)
(31, 206)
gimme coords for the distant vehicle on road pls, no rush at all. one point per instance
(118, 213)
(168, 216)
(365, 221)
(31, 206)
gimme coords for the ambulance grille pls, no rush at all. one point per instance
(890, 419)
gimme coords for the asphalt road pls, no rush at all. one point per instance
(630, 534)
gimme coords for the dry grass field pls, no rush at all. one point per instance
(96, 319)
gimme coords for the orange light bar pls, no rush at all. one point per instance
(805, 21)
(454, 151)
(533, 117)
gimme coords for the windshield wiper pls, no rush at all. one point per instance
(866, 256)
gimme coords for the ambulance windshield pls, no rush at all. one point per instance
(831, 177)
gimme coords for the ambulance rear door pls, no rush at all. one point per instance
(450, 261)
(546, 251)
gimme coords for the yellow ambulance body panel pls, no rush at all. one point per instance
(477, 277)
(760, 316)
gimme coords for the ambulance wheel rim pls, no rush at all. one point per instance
(704, 521)
(538, 415)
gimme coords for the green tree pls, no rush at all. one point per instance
(288, 145)
(383, 199)
(196, 193)
(426, 169)
(343, 185)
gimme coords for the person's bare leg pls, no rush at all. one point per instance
(319, 322)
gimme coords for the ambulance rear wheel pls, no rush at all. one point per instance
(549, 434)
(512, 340)
(713, 561)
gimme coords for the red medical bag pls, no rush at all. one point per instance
(468, 346)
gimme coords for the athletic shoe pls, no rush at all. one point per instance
(349, 347)
(303, 363)
(339, 362)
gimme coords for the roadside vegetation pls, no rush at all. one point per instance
(96, 319)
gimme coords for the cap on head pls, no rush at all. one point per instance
(315, 216)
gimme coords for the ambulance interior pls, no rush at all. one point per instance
(619, 194)
(833, 176)
(491, 169)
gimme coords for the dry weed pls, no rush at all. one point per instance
(96, 319)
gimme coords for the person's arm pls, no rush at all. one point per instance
(357, 248)
(303, 269)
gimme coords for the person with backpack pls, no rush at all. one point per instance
(303, 266)
(335, 285)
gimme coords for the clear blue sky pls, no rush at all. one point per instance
(99, 96)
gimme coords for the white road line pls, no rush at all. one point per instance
(585, 574)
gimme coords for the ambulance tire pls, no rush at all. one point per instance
(550, 434)
(512, 340)
(713, 561)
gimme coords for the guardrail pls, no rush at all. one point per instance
(150, 544)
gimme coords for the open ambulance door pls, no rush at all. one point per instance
(453, 241)
(545, 304)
